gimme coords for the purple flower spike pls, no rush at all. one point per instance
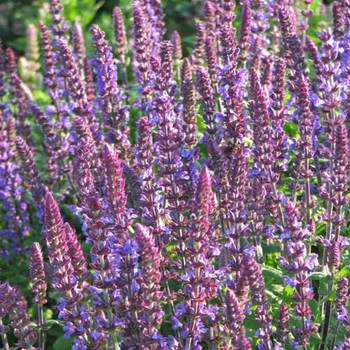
(142, 42)
(229, 50)
(149, 281)
(110, 96)
(59, 25)
(13, 304)
(119, 33)
(37, 274)
(115, 183)
(76, 86)
(11, 61)
(177, 45)
(89, 81)
(2, 74)
(283, 324)
(75, 252)
(211, 56)
(62, 269)
(245, 26)
(78, 43)
(30, 171)
(50, 73)
(209, 10)
(235, 317)
(205, 200)
(207, 98)
(199, 51)
(189, 102)
(342, 297)
(254, 275)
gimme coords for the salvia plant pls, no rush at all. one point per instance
(195, 202)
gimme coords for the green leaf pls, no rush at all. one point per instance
(344, 271)
(62, 344)
(270, 272)
(48, 313)
(291, 129)
(200, 123)
(51, 323)
(318, 275)
(288, 292)
(41, 97)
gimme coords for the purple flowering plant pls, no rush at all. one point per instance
(164, 202)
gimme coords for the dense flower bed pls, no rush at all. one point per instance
(210, 192)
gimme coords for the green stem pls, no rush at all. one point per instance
(4, 340)
(41, 340)
(326, 326)
(335, 335)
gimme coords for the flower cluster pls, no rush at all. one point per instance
(177, 202)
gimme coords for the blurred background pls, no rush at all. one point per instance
(15, 15)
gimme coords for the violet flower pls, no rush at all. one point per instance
(64, 276)
(227, 11)
(278, 116)
(229, 51)
(255, 278)
(177, 45)
(37, 273)
(13, 304)
(76, 87)
(76, 253)
(120, 33)
(283, 324)
(50, 73)
(78, 43)
(2, 75)
(297, 262)
(210, 12)
(149, 293)
(342, 297)
(39, 288)
(150, 197)
(89, 81)
(142, 42)
(11, 61)
(235, 318)
(30, 171)
(245, 27)
(59, 24)
(211, 56)
(199, 275)
(207, 98)
(52, 141)
(189, 102)
(114, 113)
(115, 187)
(21, 98)
(199, 50)
(14, 205)
(338, 19)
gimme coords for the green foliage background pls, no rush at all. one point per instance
(15, 15)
